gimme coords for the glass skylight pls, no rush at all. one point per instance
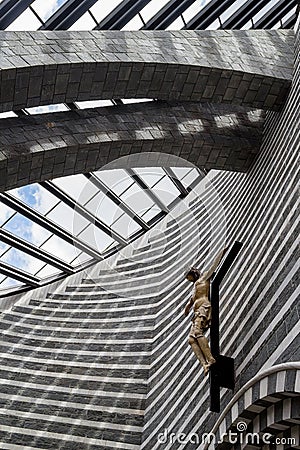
(27, 21)
(45, 9)
(117, 219)
(6, 283)
(40, 11)
(152, 8)
(102, 8)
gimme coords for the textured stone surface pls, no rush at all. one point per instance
(251, 67)
(209, 136)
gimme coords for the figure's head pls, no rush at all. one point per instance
(193, 274)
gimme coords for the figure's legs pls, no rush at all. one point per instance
(198, 352)
(209, 359)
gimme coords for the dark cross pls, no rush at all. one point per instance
(222, 372)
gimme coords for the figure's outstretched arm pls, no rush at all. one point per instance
(214, 265)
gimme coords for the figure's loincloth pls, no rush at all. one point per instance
(201, 320)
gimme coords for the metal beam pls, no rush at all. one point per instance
(170, 12)
(67, 14)
(116, 199)
(46, 223)
(10, 10)
(208, 14)
(183, 191)
(290, 22)
(148, 191)
(19, 275)
(276, 13)
(82, 211)
(244, 14)
(32, 250)
(122, 14)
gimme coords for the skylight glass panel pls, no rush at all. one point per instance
(181, 172)
(47, 109)
(190, 177)
(137, 199)
(152, 8)
(247, 25)
(117, 180)
(67, 218)
(136, 100)
(150, 175)
(134, 24)
(125, 226)
(26, 229)
(7, 283)
(27, 21)
(166, 190)
(5, 213)
(3, 248)
(94, 104)
(104, 208)
(101, 9)
(46, 8)
(178, 24)
(81, 259)
(263, 11)
(78, 187)
(60, 248)
(151, 213)
(96, 238)
(4, 115)
(35, 196)
(48, 271)
(85, 23)
(231, 10)
(289, 14)
(194, 9)
(23, 261)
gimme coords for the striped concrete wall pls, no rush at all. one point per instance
(259, 315)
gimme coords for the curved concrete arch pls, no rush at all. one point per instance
(240, 67)
(53, 145)
(276, 384)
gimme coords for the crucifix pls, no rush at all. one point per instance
(205, 301)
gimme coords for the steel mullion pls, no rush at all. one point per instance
(117, 200)
(67, 14)
(208, 14)
(46, 223)
(10, 10)
(148, 191)
(175, 180)
(244, 14)
(290, 22)
(32, 250)
(170, 12)
(82, 211)
(275, 14)
(19, 275)
(122, 14)
(195, 182)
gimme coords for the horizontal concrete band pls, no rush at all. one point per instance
(243, 67)
(210, 136)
